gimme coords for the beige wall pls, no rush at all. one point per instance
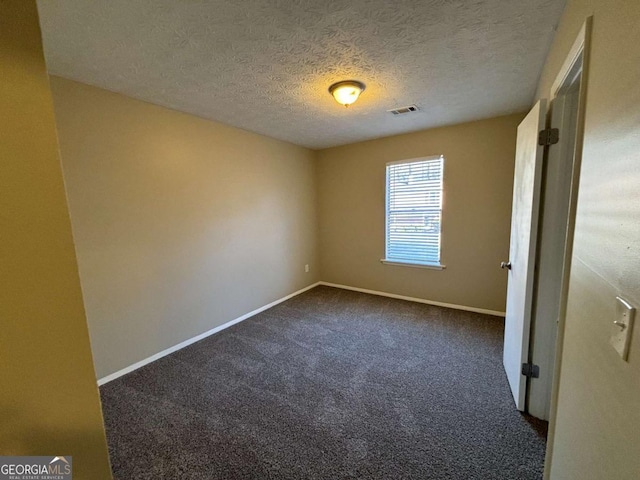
(181, 224)
(49, 402)
(478, 180)
(598, 418)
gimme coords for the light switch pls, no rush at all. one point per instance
(622, 327)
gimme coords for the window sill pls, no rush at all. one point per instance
(430, 266)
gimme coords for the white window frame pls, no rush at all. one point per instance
(409, 262)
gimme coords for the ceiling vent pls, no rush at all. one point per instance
(404, 110)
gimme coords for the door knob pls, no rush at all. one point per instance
(506, 265)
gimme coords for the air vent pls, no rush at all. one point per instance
(403, 110)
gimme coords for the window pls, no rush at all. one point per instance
(414, 212)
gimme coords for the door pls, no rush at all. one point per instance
(522, 250)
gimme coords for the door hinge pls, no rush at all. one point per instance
(548, 136)
(530, 370)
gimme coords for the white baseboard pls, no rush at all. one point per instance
(414, 299)
(188, 342)
(219, 328)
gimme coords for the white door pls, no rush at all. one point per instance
(522, 251)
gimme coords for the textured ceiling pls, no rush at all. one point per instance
(265, 65)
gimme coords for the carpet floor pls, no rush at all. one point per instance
(331, 384)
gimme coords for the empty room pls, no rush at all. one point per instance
(341, 239)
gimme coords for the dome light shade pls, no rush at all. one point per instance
(346, 92)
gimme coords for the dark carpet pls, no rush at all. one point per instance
(331, 384)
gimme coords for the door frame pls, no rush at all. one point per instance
(579, 52)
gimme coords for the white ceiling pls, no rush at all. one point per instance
(265, 65)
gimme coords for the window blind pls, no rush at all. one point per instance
(414, 211)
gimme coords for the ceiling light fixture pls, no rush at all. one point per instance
(346, 92)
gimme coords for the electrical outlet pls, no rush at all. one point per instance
(306, 268)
